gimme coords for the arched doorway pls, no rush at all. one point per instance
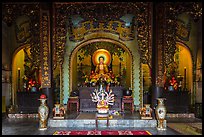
(25, 73)
(71, 48)
(183, 58)
(118, 66)
(17, 71)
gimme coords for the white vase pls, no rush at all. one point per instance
(160, 114)
(43, 111)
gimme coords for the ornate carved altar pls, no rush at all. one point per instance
(86, 103)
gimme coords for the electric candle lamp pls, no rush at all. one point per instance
(19, 79)
(184, 78)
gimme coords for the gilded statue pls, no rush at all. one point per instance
(101, 68)
(101, 71)
(101, 59)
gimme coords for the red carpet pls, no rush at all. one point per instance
(103, 132)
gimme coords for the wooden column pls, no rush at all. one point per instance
(157, 53)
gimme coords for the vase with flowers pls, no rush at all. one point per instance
(170, 77)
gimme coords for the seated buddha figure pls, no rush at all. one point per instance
(101, 68)
(101, 71)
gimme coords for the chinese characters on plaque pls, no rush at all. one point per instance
(45, 50)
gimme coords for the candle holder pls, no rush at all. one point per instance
(184, 89)
(19, 74)
(180, 79)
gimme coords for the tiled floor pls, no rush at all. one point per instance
(187, 128)
(30, 126)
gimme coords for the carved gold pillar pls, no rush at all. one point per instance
(45, 52)
(59, 14)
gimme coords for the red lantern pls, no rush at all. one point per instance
(42, 96)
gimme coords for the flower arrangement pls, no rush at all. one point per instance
(173, 83)
(170, 77)
(94, 79)
(30, 84)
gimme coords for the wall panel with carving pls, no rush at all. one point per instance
(174, 28)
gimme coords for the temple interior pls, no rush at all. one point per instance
(86, 61)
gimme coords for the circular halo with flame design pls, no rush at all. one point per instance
(101, 53)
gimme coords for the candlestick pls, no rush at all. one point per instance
(184, 78)
(19, 73)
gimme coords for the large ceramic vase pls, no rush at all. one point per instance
(160, 114)
(43, 111)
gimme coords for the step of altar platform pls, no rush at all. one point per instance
(102, 123)
(20, 115)
(180, 115)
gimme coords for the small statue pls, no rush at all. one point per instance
(58, 111)
(103, 99)
(146, 112)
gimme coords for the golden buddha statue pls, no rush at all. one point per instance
(101, 58)
(101, 68)
(101, 71)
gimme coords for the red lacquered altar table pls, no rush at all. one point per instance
(128, 100)
(73, 100)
